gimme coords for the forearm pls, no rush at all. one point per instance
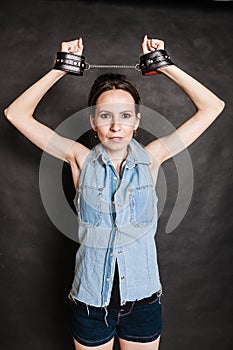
(25, 104)
(202, 97)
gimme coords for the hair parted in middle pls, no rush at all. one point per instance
(111, 81)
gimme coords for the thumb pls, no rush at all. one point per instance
(79, 46)
(144, 44)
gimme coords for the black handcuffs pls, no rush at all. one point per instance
(149, 63)
(70, 63)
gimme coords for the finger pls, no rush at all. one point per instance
(80, 43)
(159, 44)
(80, 46)
(154, 44)
(151, 45)
(64, 46)
(144, 45)
(77, 46)
(73, 46)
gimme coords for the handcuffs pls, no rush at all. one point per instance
(148, 65)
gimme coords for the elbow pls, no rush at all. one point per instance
(222, 105)
(218, 107)
(12, 114)
(7, 113)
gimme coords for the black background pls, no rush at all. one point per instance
(195, 260)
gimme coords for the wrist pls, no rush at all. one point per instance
(153, 61)
(165, 69)
(70, 63)
(59, 73)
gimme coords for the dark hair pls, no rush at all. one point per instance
(111, 81)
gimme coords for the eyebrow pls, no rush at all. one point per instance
(106, 111)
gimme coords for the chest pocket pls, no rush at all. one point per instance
(142, 205)
(89, 205)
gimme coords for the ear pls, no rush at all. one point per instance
(92, 122)
(138, 121)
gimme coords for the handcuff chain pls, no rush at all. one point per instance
(89, 66)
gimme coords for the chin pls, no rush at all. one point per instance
(116, 146)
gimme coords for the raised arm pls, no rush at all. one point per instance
(20, 114)
(208, 108)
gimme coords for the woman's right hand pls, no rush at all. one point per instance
(149, 45)
(73, 47)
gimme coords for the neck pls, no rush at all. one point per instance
(117, 158)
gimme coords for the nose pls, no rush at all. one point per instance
(115, 126)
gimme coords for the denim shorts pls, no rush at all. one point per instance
(93, 326)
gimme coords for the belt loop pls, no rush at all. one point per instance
(159, 295)
(70, 296)
(88, 312)
(132, 306)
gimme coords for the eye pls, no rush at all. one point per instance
(105, 115)
(126, 115)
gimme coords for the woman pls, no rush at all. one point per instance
(116, 286)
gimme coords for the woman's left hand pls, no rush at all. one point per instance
(73, 47)
(149, 45)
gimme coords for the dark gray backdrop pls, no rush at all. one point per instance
(195, 260)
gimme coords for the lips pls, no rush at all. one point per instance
(115, 139)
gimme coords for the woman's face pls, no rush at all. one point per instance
(115, 119)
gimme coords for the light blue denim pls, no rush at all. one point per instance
(117, 219)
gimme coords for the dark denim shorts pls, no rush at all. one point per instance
(93, 326)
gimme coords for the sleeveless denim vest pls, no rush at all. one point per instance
(117, 220)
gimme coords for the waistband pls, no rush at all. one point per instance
(143, 301)
(126, 305)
